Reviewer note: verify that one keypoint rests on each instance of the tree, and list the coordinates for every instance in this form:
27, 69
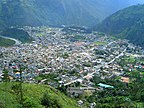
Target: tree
45, 100
5, 75
17, 88
50, 102
31, 103
2, 105
21, 81
63, 89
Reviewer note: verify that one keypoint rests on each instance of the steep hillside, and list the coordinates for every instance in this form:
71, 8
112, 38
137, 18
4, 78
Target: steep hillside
127, 23
32, 96
58, 12
6, 42
18, 34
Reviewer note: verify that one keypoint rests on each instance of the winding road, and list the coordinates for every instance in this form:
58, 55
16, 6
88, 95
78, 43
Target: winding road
17, 42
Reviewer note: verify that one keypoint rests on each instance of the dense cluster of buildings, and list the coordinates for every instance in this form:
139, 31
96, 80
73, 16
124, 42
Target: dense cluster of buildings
53, 52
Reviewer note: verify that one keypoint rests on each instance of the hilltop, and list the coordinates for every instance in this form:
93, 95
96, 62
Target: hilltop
32, 94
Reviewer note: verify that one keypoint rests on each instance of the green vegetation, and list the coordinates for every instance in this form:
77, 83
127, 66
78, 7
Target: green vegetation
100, 34
87, 64
100, 52
100, 43
40, 34
129, 59
122, 96
17, 34
50, 102
65, 55
6, 42
5, 76
127, 23
50, 77
56, 12
34, 96
114, 38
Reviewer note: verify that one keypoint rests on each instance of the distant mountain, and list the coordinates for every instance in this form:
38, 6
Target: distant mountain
127, 23
58, 12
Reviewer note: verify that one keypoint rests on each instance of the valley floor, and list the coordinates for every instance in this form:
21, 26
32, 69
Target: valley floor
95, 69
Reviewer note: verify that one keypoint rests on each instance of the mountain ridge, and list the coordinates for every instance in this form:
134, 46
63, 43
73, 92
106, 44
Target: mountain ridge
57, 12
127, 23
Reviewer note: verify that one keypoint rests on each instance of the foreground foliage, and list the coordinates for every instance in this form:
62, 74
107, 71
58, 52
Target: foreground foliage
34, 96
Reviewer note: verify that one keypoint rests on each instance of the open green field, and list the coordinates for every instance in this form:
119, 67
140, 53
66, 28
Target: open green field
100, 43
40, 34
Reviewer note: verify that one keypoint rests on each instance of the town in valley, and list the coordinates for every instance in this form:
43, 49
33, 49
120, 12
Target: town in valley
73, 60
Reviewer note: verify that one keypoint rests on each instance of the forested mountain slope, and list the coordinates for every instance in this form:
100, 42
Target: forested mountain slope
127, 23
58, 12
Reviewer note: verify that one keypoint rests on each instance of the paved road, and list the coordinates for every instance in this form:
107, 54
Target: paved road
17, 42
108, 44
71, 82
121, 54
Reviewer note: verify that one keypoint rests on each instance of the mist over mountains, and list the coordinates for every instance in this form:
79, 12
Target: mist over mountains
58, 12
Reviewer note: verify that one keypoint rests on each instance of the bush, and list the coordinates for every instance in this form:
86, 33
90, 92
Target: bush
50, 102
30, 103
2, 105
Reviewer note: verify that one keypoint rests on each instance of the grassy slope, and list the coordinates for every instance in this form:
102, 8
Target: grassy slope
6, 42
33, 93
17, 34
